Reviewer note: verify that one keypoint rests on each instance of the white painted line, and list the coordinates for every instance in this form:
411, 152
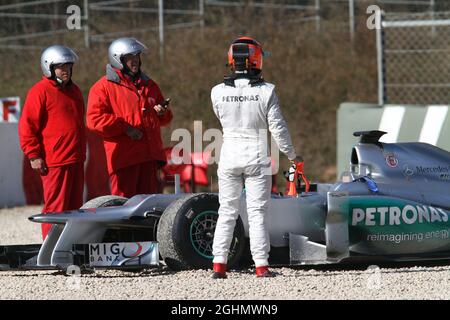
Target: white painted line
391, 121
432, 125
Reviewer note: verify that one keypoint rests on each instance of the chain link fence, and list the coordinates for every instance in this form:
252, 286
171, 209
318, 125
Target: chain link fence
415, 58
413, 49
33, 24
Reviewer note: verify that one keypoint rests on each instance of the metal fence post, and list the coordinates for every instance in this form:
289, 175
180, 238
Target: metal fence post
351, 12
161, 29
317, 8
86, 24
433, 29
201, 12
380, 57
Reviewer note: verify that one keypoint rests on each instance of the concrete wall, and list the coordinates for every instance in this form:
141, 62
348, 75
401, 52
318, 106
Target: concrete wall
19, 187
430, 124
11, 157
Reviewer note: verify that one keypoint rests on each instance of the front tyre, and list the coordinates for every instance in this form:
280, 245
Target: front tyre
186, 233
104, 201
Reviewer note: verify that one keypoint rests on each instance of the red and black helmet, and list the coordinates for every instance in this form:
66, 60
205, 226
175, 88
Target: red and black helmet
247, 51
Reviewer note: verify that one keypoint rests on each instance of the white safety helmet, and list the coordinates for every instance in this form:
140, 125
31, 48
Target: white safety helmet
121, 47
56, 54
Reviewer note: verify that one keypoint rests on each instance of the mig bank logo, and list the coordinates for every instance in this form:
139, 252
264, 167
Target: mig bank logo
123, 254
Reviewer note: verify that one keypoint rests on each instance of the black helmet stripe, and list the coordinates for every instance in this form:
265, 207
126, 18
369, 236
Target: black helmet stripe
247, 41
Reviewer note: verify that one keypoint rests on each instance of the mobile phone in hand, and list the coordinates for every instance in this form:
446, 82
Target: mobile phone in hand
165, 104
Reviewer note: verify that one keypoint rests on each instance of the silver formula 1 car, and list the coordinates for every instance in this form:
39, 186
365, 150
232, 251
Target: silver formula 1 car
393, 205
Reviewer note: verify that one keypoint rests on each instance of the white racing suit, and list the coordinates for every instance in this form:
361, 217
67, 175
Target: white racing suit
246, 112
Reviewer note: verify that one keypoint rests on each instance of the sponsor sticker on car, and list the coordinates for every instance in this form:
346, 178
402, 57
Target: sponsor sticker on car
391, 160
123, 254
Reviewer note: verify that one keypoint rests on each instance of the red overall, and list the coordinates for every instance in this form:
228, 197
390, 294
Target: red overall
115, 102
52, 127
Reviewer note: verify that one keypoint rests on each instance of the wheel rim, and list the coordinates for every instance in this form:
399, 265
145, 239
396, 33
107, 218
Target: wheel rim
202, 233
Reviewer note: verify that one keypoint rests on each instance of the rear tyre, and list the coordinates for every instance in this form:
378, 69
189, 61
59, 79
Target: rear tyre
186, 233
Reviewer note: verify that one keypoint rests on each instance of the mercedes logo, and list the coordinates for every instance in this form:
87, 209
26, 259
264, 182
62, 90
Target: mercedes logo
407, 170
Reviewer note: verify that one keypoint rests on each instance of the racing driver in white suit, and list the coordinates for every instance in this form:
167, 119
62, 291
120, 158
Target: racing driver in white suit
246, 107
